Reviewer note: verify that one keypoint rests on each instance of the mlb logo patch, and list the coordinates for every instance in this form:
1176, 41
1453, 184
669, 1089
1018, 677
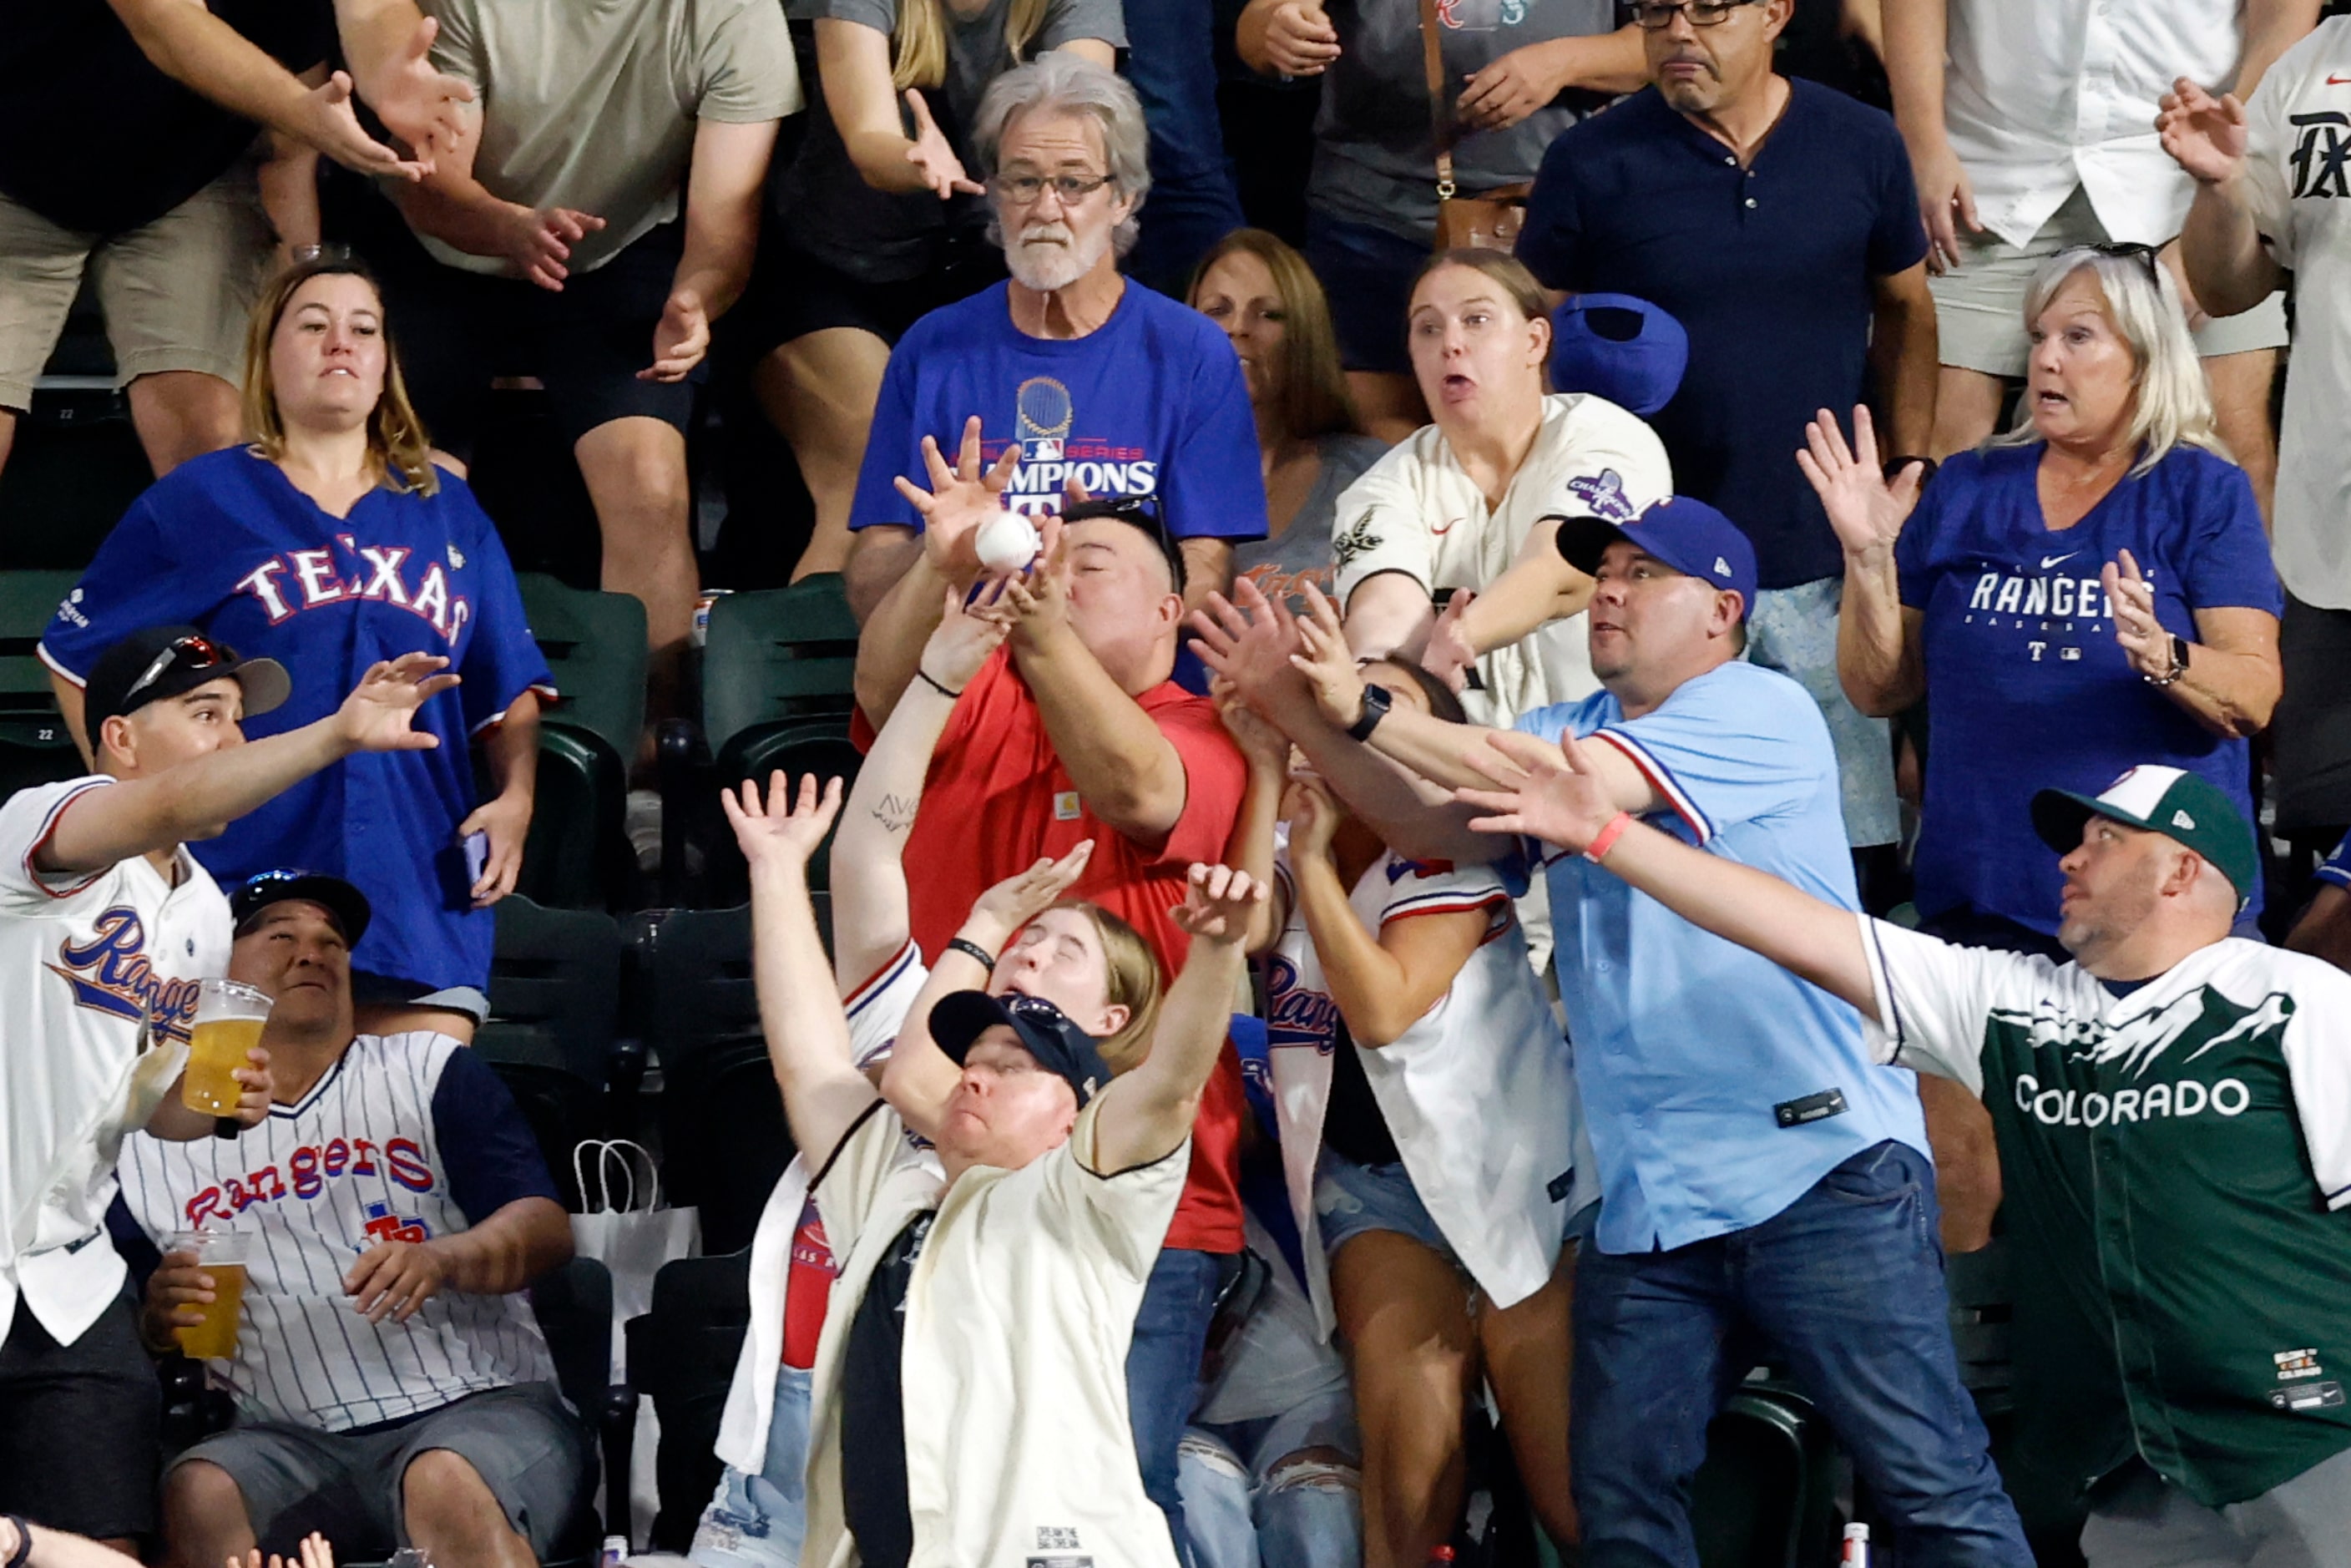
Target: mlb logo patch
1045, 449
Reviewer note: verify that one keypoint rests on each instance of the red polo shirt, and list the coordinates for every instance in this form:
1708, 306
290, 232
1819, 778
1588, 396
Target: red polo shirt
998, 798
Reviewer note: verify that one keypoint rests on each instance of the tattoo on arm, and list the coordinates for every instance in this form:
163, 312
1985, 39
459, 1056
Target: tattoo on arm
895, 812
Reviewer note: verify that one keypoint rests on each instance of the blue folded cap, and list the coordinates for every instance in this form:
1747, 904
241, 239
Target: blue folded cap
1616, 347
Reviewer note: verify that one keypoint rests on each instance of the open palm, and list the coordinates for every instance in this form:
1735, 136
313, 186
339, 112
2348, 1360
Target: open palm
2205, 135
1866, 512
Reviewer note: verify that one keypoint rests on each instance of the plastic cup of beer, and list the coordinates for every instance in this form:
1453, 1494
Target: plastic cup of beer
229, 1019
223, 1255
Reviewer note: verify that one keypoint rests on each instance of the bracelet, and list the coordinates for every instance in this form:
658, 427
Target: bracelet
24, 1539
973, 951
935, 686
1605, 839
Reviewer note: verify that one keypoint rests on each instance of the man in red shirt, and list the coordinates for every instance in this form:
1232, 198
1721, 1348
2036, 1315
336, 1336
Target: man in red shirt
1074, 731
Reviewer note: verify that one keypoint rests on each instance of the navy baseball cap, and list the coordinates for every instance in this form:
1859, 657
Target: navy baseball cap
339, 898
1064, 1050
1685, 534
166, 661
1614, 346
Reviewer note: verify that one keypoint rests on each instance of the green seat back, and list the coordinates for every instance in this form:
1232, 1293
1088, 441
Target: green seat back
595, 646
778, 653
28, 709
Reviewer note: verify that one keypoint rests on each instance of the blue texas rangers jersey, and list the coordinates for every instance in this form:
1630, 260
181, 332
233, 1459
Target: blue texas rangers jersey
226, 543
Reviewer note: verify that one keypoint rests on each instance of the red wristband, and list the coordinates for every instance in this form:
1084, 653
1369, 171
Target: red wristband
1605, 839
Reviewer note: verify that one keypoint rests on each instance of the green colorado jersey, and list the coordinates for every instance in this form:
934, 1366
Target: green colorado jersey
2172, 1162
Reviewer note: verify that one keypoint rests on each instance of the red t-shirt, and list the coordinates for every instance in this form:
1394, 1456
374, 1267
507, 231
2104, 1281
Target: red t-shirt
998, 798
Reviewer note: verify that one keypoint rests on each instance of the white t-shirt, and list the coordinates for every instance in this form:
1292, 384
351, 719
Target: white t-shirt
2043, 95
1479, 1094
2299, 176
1019, 1446
84, 958
1417, 512
357, 1160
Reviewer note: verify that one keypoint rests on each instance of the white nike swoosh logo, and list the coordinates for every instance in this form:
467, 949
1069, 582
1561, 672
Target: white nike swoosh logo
2048, 560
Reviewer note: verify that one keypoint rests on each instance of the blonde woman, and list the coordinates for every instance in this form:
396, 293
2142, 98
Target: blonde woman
330, 542
879, 220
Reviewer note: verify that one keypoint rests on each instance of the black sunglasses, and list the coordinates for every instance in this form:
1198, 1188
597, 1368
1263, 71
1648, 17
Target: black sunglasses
1136, 512
2132, 250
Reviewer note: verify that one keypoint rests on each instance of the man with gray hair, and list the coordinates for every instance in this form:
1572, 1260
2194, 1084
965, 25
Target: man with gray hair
1101, 388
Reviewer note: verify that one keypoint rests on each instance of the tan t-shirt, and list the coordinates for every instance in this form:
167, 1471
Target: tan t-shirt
591, 104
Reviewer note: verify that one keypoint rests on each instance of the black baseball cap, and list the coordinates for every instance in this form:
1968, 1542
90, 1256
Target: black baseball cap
167, 661
1064, 1050
1685, 534
339, 898
1142, 513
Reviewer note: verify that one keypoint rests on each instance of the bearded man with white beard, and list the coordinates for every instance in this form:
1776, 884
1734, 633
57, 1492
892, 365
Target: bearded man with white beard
1095, 387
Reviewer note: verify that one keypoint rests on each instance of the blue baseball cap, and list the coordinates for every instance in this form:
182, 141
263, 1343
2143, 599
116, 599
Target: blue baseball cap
1616, 347
1685, 534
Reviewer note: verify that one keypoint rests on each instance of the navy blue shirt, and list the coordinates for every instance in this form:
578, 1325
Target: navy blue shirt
2027, 687
1768, 269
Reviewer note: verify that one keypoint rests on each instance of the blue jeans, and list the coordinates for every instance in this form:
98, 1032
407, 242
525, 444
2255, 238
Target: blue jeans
1367, 272
757, 1521
1171, 62
1163, 1371
1251, 1502
1846, 1284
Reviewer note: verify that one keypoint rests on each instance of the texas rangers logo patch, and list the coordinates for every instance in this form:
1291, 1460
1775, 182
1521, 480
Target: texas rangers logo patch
382, 1225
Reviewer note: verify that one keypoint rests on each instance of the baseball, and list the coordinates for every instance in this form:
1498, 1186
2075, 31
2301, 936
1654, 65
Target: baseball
1006, 544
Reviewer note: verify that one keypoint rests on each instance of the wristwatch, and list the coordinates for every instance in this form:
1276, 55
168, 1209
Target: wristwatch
2179, 663
1377, 700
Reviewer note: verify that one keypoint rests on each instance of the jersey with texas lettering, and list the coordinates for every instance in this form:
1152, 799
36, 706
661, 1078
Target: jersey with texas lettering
2177, 1165
406, 1138
84, 961
1479, 1093
226, 543
1150, 404
2029, 688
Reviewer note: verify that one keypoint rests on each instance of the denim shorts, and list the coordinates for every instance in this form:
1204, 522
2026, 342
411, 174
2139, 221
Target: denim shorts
1349, 1199
759, 1522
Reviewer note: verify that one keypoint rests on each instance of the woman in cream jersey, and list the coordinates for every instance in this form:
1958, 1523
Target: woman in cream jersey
1456, 504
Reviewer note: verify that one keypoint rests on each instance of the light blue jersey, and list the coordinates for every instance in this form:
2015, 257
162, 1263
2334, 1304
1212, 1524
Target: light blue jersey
1686, 1044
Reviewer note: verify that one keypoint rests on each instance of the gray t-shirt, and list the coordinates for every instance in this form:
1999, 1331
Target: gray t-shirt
642, 74
1375, 155
828, 211
1300, 553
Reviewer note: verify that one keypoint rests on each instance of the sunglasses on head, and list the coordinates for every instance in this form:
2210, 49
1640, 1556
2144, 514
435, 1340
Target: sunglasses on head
203, 654
2132, 250
1138, 512
1036, 1010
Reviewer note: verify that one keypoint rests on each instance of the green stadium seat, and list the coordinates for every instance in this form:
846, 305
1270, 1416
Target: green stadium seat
577, 855
775, 658
35, 747
555, 1006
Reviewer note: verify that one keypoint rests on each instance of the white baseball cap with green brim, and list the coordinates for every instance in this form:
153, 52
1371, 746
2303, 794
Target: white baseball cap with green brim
2168, 800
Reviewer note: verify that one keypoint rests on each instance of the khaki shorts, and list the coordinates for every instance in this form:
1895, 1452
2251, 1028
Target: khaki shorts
176, 293
1979, 306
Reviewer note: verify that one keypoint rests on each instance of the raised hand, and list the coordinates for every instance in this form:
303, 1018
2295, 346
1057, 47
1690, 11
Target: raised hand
1450, 654
324, 120
681, 337
1248, 639
1038, 598
934, 159
1266, 747
538, 243
378, 714
959, 500
1866, 512
1219, 904
1300, 40
316, 1553
1308, 807
2144, 640
781, 831
966, 635
1327, 662
2205, 135
1019, 898
417, 103
1549, 792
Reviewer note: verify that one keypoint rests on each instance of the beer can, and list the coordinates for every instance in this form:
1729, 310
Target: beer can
616, 1550
701, 603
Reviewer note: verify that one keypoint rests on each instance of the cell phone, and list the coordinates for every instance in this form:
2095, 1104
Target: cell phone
477, 857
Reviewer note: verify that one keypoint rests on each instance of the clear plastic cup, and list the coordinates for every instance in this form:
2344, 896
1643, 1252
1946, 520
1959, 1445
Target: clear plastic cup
223, 1255
230, 1015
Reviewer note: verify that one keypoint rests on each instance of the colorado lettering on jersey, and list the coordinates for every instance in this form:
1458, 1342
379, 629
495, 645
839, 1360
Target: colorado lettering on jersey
110, 974
1295, 1016
295, 580
2096, 1108
312, 1168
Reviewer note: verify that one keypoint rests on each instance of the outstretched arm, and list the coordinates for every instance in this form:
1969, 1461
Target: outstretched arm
1539, 587
1148, 1111
1879, 659
808, 1034
1554, 793
1251, 849
921, 1078
870, 919
197, 799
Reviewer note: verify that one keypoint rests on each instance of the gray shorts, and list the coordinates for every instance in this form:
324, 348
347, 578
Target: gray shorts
1979, 305
1794, 631
2303, 1524
528, 1447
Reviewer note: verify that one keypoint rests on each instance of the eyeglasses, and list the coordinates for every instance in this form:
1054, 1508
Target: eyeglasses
1023, 190
1656, 15
202, 654
1136, 512
2132, 250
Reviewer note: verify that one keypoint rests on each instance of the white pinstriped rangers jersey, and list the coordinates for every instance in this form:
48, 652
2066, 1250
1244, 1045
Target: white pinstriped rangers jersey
407, 1138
